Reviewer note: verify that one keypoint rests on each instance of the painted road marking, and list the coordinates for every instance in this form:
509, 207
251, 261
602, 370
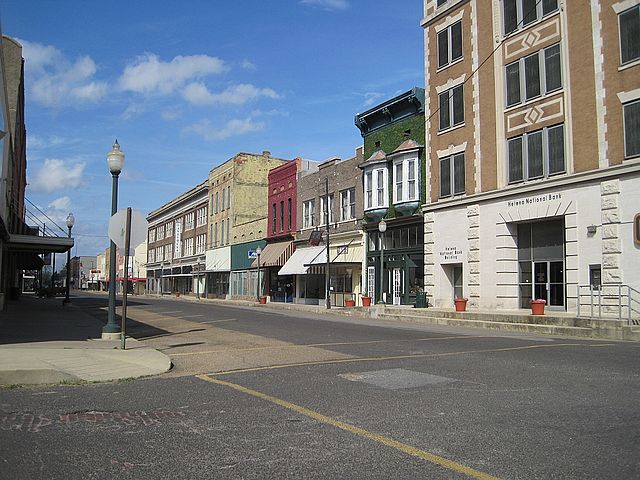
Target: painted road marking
190, 316
220, 321
405, 357
315, 345
389, 442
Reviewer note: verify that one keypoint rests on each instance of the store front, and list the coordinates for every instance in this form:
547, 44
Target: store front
279, 288
218, 266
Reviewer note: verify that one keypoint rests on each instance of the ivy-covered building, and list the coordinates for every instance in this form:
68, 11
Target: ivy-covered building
394, 180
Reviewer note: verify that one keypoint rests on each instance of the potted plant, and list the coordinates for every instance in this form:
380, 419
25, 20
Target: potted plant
537, 306
461, 304
350, 302
263, 299
366, 300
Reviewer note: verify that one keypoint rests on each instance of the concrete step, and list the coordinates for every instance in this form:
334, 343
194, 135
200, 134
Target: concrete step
523, 327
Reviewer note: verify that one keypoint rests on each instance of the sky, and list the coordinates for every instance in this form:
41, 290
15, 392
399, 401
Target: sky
184, 86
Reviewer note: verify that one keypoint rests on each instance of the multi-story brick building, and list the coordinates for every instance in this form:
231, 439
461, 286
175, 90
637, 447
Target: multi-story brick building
237, 222
533, 150
308, 264
176, 243
394, 179
281, 228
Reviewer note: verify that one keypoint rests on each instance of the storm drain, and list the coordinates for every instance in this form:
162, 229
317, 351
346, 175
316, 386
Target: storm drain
396, 378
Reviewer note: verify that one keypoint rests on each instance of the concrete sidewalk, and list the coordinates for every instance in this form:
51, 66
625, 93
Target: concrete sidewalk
43, 342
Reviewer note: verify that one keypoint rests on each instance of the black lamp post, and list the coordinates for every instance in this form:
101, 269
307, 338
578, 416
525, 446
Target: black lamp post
382, 227
70, 221
115, 161
258, 252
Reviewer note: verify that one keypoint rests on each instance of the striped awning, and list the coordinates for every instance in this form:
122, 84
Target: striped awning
274, 255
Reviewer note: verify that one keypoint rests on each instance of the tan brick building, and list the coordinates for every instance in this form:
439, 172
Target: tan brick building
533, 150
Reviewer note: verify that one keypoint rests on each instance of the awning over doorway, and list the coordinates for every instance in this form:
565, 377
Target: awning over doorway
299, 262
28, 261
274, 255
39, 244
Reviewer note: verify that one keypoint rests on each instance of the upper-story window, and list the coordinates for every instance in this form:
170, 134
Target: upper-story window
222, 232
159, 254
201, 218
308, 212
160, 232
274, 218
534, 75
405, 179
228, 229
152, 235
201, 241
632, 129
216, 204
188, 247
324, 209
289, 214
215, 234
224, 190
536, 154
281, 215
229, 197
188, 220
630, 34
169, 229
168, 252
441, 2
348, 204
520, 13
375, 186
450, 44
452, 175
151, 255
451, 107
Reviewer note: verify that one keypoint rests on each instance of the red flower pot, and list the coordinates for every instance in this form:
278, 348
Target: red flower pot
263, 300
537, 307
349, 303
461, 304
366, 301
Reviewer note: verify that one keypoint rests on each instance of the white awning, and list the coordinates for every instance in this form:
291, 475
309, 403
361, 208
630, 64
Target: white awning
299, 262
219, 259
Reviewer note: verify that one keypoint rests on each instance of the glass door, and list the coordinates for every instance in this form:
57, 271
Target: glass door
397, 285
548, 282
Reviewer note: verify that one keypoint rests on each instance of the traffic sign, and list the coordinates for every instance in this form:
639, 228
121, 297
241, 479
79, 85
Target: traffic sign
117, 226
252, 254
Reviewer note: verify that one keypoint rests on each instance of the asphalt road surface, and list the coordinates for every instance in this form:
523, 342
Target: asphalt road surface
262, 394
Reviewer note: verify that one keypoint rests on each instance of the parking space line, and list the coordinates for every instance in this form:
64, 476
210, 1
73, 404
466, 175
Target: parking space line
389, 442
408, 357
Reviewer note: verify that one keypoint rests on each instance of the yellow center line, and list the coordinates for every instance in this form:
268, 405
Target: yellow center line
333, 344
389, 442
405, 357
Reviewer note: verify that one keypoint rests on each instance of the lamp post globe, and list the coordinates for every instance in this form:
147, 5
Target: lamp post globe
70, 221
382, 227
115, 162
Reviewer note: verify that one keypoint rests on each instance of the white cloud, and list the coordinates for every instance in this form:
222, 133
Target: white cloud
199, 94
170, 115
133, 110
56, 175
62, 203
247, 65
232, 128
370, 98
53, 80
148, 74
327, 4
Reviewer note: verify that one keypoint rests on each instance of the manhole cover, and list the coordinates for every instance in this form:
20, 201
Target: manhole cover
396, 378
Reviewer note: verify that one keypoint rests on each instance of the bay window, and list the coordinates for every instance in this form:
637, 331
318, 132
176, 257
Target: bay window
405, 171
375, 186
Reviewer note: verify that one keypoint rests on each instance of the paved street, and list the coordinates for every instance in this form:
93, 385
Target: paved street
262, 394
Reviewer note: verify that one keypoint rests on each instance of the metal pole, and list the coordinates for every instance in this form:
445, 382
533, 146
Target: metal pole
381, 299
326, 216
258, 282
112, 326
127, 241
198, 281
66, 296
53, 275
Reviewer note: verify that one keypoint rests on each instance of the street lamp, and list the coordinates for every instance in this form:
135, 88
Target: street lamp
115, 161
70, 221
382, 227
258, 252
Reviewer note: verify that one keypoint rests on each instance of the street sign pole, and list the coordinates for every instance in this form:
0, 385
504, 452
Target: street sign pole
127, 241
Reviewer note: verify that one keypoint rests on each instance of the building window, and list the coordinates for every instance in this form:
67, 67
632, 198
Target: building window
375, 185
169, 229
228, 197
222, 232
520, 13
188, 220
168, 251
201, 217
159, 252
201, 241
630, 34
223, 199
228, 229
452, 175
152, 235
308, 211
324, 210
281, 215
451, 108
450, 44
405, 172
160, 232
536, 154
348, 204
151, 256
187, 247
289, 214
632, 129
216, 203
273, 218
215, 234
535, 74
